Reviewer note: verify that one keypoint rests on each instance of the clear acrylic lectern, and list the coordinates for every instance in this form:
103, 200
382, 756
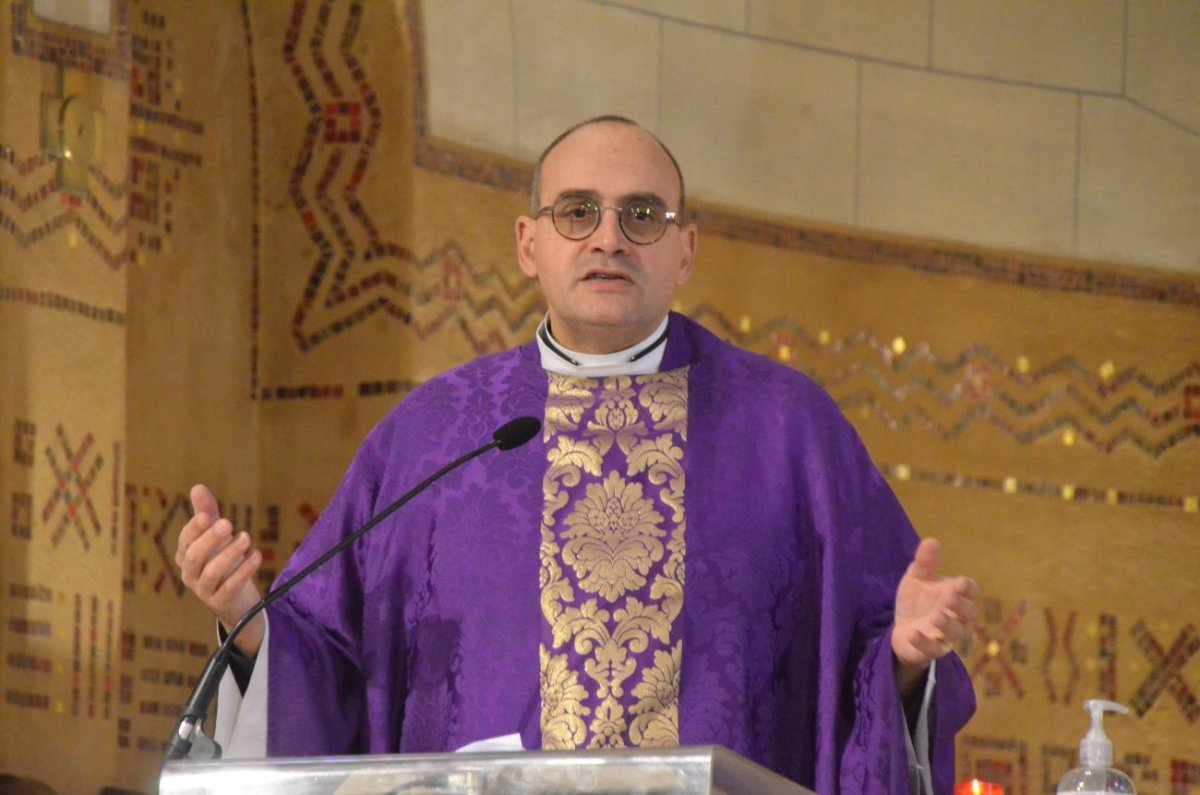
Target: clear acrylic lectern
700, 770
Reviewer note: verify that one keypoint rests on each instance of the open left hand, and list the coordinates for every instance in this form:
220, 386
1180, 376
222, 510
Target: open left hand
932, 612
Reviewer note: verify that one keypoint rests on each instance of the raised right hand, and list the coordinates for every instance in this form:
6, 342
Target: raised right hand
219, 568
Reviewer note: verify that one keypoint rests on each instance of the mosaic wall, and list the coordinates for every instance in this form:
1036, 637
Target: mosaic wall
272, 250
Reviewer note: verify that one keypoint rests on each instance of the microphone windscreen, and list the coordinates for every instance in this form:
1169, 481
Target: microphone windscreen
515, 433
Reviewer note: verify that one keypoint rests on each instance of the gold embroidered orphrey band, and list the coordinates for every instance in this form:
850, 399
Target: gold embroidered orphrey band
612, 560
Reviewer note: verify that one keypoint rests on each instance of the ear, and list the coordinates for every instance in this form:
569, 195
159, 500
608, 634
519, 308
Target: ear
687, 241
525, 228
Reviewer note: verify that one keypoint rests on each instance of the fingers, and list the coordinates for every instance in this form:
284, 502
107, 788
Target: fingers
959, 593
203, 501
915, 648
933, 613
205, 513
934, 641
940, 630
926, 558
223, 579
236, 593
956, 611
964, 592
947, 626
200, 539
929, 647
967, 588
221, 565
217, 566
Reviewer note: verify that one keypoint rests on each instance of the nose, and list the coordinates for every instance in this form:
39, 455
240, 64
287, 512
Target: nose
609, 237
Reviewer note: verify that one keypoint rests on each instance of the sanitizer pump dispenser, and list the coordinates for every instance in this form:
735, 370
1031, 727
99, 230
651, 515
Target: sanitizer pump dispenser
1095, 773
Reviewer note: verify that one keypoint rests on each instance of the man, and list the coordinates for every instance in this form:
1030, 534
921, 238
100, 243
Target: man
543, 591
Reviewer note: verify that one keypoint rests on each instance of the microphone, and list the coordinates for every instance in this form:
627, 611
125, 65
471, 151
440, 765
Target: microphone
189, 731
515, 433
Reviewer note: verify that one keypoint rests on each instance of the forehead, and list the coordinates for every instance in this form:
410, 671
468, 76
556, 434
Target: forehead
611, 160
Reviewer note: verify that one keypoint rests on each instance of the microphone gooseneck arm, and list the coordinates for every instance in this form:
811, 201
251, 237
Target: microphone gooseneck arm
188, 730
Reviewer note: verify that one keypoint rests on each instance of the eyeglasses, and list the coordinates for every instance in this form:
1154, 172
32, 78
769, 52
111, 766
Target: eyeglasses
577, 217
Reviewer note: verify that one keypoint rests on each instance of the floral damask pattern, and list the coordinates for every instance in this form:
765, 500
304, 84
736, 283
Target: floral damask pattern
656, 724
612, 560
613, 538
562, 707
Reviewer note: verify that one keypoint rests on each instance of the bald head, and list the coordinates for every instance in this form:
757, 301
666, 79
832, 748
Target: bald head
535, 198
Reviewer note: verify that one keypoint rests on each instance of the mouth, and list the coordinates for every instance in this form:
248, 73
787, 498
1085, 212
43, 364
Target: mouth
606, 276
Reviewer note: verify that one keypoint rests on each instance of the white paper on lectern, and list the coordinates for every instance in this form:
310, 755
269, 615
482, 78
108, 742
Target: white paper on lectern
506, 742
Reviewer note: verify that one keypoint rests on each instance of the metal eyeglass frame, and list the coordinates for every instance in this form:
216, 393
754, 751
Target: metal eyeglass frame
669, 216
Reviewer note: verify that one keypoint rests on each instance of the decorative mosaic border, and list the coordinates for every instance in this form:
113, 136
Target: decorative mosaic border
1066, 492
255, 198
391, 388
49, 300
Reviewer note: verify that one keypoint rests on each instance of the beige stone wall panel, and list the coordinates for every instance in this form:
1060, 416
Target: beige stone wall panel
728, 14
1075, 44
1164, 59
888, 30
474, 97
1138, 188
576, 59
760, 125
967, 160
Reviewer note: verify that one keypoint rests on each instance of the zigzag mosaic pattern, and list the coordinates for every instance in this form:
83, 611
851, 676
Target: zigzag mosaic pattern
33, 209
918, 388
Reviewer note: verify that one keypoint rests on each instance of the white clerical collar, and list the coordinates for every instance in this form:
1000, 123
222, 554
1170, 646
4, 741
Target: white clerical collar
640, 359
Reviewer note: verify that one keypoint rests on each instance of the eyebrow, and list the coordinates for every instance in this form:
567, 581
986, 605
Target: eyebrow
645, 196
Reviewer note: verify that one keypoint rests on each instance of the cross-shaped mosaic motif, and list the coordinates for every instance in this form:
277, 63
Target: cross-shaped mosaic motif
1166, 670
993, 651
72, 497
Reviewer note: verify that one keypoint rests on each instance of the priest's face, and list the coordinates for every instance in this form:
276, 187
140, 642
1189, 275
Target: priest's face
605, 292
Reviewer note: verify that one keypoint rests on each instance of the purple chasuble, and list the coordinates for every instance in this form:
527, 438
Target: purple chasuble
436, 629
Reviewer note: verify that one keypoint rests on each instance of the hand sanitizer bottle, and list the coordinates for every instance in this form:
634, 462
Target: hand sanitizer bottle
1095, 773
